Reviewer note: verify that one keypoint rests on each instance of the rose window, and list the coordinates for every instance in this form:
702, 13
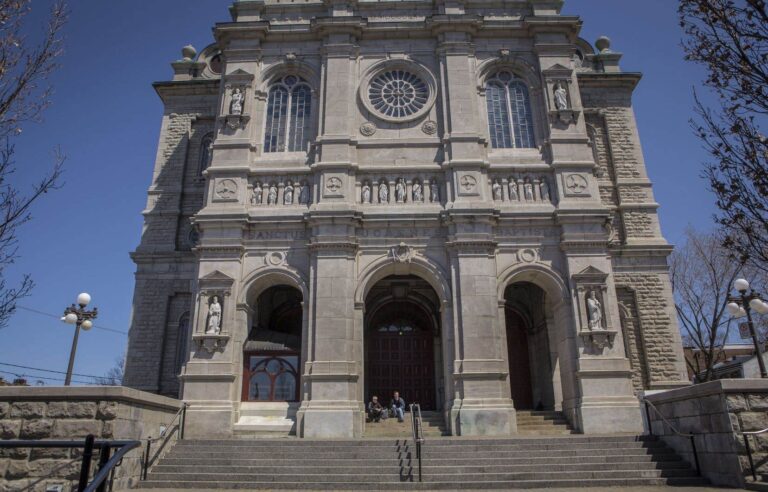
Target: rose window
398, 94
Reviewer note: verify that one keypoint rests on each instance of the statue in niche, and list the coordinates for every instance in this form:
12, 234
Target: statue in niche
383, 192
418, 195
561, 97
513, 196
257, 194
366, 194
545, 190
434, 192
400, 191
214, 317
304, 193
288, 194
497, 190
528, 190
594, 311
236, 106
272, 196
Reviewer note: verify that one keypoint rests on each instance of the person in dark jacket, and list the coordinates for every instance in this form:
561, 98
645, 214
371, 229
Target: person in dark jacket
375, 411
397, 406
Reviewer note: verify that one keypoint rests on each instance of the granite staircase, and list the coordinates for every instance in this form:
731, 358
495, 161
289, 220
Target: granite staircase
532, 423
448, 463
433, 424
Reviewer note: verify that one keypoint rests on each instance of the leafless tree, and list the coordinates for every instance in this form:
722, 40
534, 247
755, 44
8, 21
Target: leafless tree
702, 277
25, 66
729, 38
114, 376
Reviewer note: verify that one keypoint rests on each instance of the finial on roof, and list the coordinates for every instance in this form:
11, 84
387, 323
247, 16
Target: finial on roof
188, 52
603, 44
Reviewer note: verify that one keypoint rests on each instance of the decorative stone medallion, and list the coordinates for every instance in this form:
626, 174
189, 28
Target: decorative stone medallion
334, 187
275, 258
429, 127
368, 128
528, 255
402, 253
576, 184
467, 185
226, 190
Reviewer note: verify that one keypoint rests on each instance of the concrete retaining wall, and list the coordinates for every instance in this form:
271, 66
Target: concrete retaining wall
717, 412
42, 413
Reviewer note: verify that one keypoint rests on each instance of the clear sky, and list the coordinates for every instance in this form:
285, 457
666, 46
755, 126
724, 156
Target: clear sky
106, 117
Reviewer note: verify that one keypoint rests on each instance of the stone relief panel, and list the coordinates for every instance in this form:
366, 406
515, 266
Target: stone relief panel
468, 185
398, 190
333, 186
225, 190
522, 188
576, 184
272, 191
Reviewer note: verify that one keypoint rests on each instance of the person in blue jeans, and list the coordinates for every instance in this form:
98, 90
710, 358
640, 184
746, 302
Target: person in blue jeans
397, 406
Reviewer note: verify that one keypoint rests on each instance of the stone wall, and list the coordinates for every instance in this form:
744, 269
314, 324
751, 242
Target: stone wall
39, 413
717, 412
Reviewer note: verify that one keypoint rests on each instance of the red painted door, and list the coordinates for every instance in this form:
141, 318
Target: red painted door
401, 361
519, 363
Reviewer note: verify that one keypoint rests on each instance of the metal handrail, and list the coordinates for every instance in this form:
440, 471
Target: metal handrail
746, 435
690, 436
164, 436
106, 468
417, 426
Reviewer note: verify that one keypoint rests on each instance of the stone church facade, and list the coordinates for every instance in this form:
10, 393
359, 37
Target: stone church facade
443, 198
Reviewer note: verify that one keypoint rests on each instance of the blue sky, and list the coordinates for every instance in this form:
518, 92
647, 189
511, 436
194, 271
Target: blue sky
106, 117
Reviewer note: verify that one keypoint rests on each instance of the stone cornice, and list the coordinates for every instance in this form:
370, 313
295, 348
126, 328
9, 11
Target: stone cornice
623, 80
196, 87
225, 31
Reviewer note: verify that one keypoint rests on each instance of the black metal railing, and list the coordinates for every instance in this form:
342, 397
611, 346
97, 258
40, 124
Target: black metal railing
417, 426
650, 406
106, 464
746, 435
165, 436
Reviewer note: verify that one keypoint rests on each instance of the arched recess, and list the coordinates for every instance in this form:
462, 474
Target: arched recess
417, 269
272, 309
561, 392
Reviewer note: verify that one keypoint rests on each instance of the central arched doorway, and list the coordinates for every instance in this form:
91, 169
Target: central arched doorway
402, 341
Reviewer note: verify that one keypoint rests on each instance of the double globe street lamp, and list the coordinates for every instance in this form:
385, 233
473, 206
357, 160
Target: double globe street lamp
77, 315
743, 305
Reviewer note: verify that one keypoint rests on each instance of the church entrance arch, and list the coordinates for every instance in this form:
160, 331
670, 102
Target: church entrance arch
272, 353
402, 341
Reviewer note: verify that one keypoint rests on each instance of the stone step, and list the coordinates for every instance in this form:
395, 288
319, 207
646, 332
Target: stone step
453, 441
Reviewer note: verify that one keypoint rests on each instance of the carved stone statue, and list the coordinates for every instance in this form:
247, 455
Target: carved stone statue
434, 192
594, 311
418, 195
214, 317
545, 191
497, 190
257, 194
383, 192
366, 195
304, 193
272, 196
561, 97
528, 190
236, 106
400, 191
513, 195
288, 194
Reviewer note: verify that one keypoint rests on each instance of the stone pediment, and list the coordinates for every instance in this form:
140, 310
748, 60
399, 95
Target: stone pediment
557, 70
590, 275
216, 275
216, 282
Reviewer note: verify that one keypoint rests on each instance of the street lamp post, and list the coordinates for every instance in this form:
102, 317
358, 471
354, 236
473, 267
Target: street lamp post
78, 316
742, 305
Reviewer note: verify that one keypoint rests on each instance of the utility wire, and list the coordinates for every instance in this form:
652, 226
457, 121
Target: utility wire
59, 317
47, 370
30, 376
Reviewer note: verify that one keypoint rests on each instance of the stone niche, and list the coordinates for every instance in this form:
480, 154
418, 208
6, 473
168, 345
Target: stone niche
596, 328
70, 414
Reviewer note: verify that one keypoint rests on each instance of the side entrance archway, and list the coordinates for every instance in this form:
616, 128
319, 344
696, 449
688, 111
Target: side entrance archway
402, 341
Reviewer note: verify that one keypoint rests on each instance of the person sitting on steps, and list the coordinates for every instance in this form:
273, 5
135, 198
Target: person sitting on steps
398, 406
375, 411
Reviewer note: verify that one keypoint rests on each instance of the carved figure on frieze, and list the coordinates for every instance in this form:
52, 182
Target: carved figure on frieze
594, 311
365, 196
513, 194
272, 196
545, 196
257, 194
434, 192
418, 194
383, 192
214, 317
528, 190
400, 191
236, 105
561, 97
497, 195
304, 193
288, 194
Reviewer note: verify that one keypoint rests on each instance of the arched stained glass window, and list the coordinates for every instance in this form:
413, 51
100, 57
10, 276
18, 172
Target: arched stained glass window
289, 108
510, 120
